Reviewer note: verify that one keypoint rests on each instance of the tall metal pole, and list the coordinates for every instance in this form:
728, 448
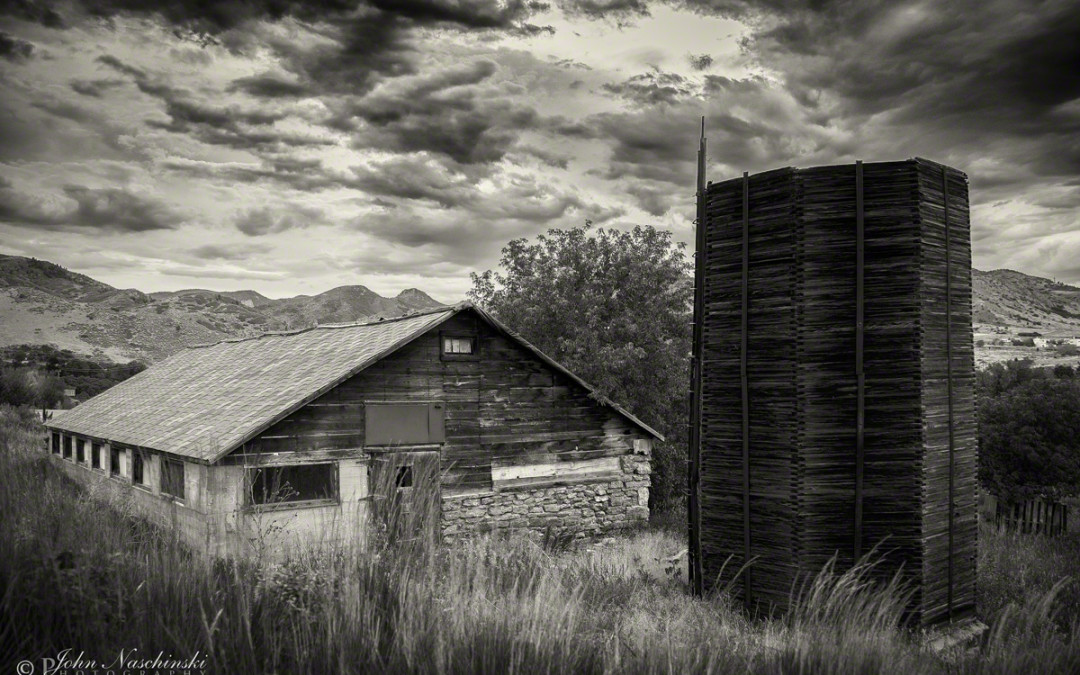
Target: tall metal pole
694, 506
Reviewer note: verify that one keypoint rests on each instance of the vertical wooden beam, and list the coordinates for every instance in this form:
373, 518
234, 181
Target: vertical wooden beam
744, 379
697, 584
860, 380
949, 373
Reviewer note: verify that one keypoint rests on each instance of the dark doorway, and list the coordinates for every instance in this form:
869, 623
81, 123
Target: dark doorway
406, 501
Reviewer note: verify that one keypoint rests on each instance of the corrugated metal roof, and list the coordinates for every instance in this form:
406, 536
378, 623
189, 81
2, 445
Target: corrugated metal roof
206, 401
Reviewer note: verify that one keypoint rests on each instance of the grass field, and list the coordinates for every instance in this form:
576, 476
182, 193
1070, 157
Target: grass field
83, 574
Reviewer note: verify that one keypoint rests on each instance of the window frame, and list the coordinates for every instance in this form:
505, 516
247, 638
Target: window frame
142, 460
68, 445
116, 467
167, 465
95, 455
80, 451
57, 443
459, 335
251, 474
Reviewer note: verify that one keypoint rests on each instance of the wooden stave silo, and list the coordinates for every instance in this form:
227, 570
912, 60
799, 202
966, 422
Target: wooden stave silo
802, 306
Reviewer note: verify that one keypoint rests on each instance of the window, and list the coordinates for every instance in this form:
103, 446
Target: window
404, 477
172, 478
458, 345
115, 455
80, 451
461, 347
67, 447
404, 423
95, 455
138, 467
56, 443
292, 484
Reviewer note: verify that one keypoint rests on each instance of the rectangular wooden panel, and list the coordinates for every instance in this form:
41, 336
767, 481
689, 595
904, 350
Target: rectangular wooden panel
505, 476
404, 423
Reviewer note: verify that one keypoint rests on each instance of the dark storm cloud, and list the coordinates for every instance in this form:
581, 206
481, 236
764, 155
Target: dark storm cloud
446, 113
465, 235
751, 125
230, 126
617, 10
33, 11
261, 221
109, 209
296, 173
652, 88
14, 49
95, 88
371, 39
958, 79
268, 86
413, 177
700, 61
231, 252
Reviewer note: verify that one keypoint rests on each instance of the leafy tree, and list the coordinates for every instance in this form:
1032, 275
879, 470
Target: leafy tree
16, 387
1028, 439
997, 378
49, 391
615, 308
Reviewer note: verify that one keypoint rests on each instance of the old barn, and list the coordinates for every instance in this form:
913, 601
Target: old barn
288, 433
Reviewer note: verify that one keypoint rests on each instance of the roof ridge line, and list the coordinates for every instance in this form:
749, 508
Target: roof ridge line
434, 310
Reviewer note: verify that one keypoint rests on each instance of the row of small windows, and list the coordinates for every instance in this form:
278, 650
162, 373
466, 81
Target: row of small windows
172, 471
307, 483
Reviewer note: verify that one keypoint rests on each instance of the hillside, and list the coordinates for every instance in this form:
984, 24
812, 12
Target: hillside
43, 303
1019, 316
1010, 298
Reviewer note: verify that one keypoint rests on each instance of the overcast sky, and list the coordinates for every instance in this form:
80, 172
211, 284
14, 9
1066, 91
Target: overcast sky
290, 146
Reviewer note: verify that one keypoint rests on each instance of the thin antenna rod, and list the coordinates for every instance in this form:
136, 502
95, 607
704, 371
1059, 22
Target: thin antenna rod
696, 580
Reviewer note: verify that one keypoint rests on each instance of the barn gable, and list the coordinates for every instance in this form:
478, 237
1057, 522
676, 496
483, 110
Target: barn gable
205, 402
506, 407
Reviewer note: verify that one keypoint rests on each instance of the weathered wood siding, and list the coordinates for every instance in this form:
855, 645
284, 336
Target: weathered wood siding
505, 407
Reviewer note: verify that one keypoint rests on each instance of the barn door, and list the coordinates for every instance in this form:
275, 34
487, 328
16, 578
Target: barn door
407, 503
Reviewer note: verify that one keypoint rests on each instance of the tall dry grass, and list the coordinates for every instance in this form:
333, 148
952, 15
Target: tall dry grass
81, 571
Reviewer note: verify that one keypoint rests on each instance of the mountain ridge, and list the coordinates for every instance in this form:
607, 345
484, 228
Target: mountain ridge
45, 303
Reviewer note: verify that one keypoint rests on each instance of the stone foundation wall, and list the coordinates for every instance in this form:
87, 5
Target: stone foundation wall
585, 509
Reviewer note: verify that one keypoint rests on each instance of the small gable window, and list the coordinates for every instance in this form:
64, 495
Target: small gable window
457, 346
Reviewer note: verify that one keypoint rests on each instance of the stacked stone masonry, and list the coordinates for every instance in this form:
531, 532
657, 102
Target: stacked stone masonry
584, 509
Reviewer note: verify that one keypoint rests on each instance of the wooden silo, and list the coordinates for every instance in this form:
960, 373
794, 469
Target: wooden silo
835, 408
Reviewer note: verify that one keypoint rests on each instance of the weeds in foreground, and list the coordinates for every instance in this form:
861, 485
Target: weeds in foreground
79, 570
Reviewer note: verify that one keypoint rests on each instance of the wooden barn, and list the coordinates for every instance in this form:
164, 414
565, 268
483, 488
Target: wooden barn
287, 433
834, 405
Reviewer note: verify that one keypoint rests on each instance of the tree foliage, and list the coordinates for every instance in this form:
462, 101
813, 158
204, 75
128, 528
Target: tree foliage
23, 386
1029, 421
615, 308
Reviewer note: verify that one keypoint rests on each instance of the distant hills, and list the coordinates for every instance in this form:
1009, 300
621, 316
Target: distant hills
44, 303
1010, 298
